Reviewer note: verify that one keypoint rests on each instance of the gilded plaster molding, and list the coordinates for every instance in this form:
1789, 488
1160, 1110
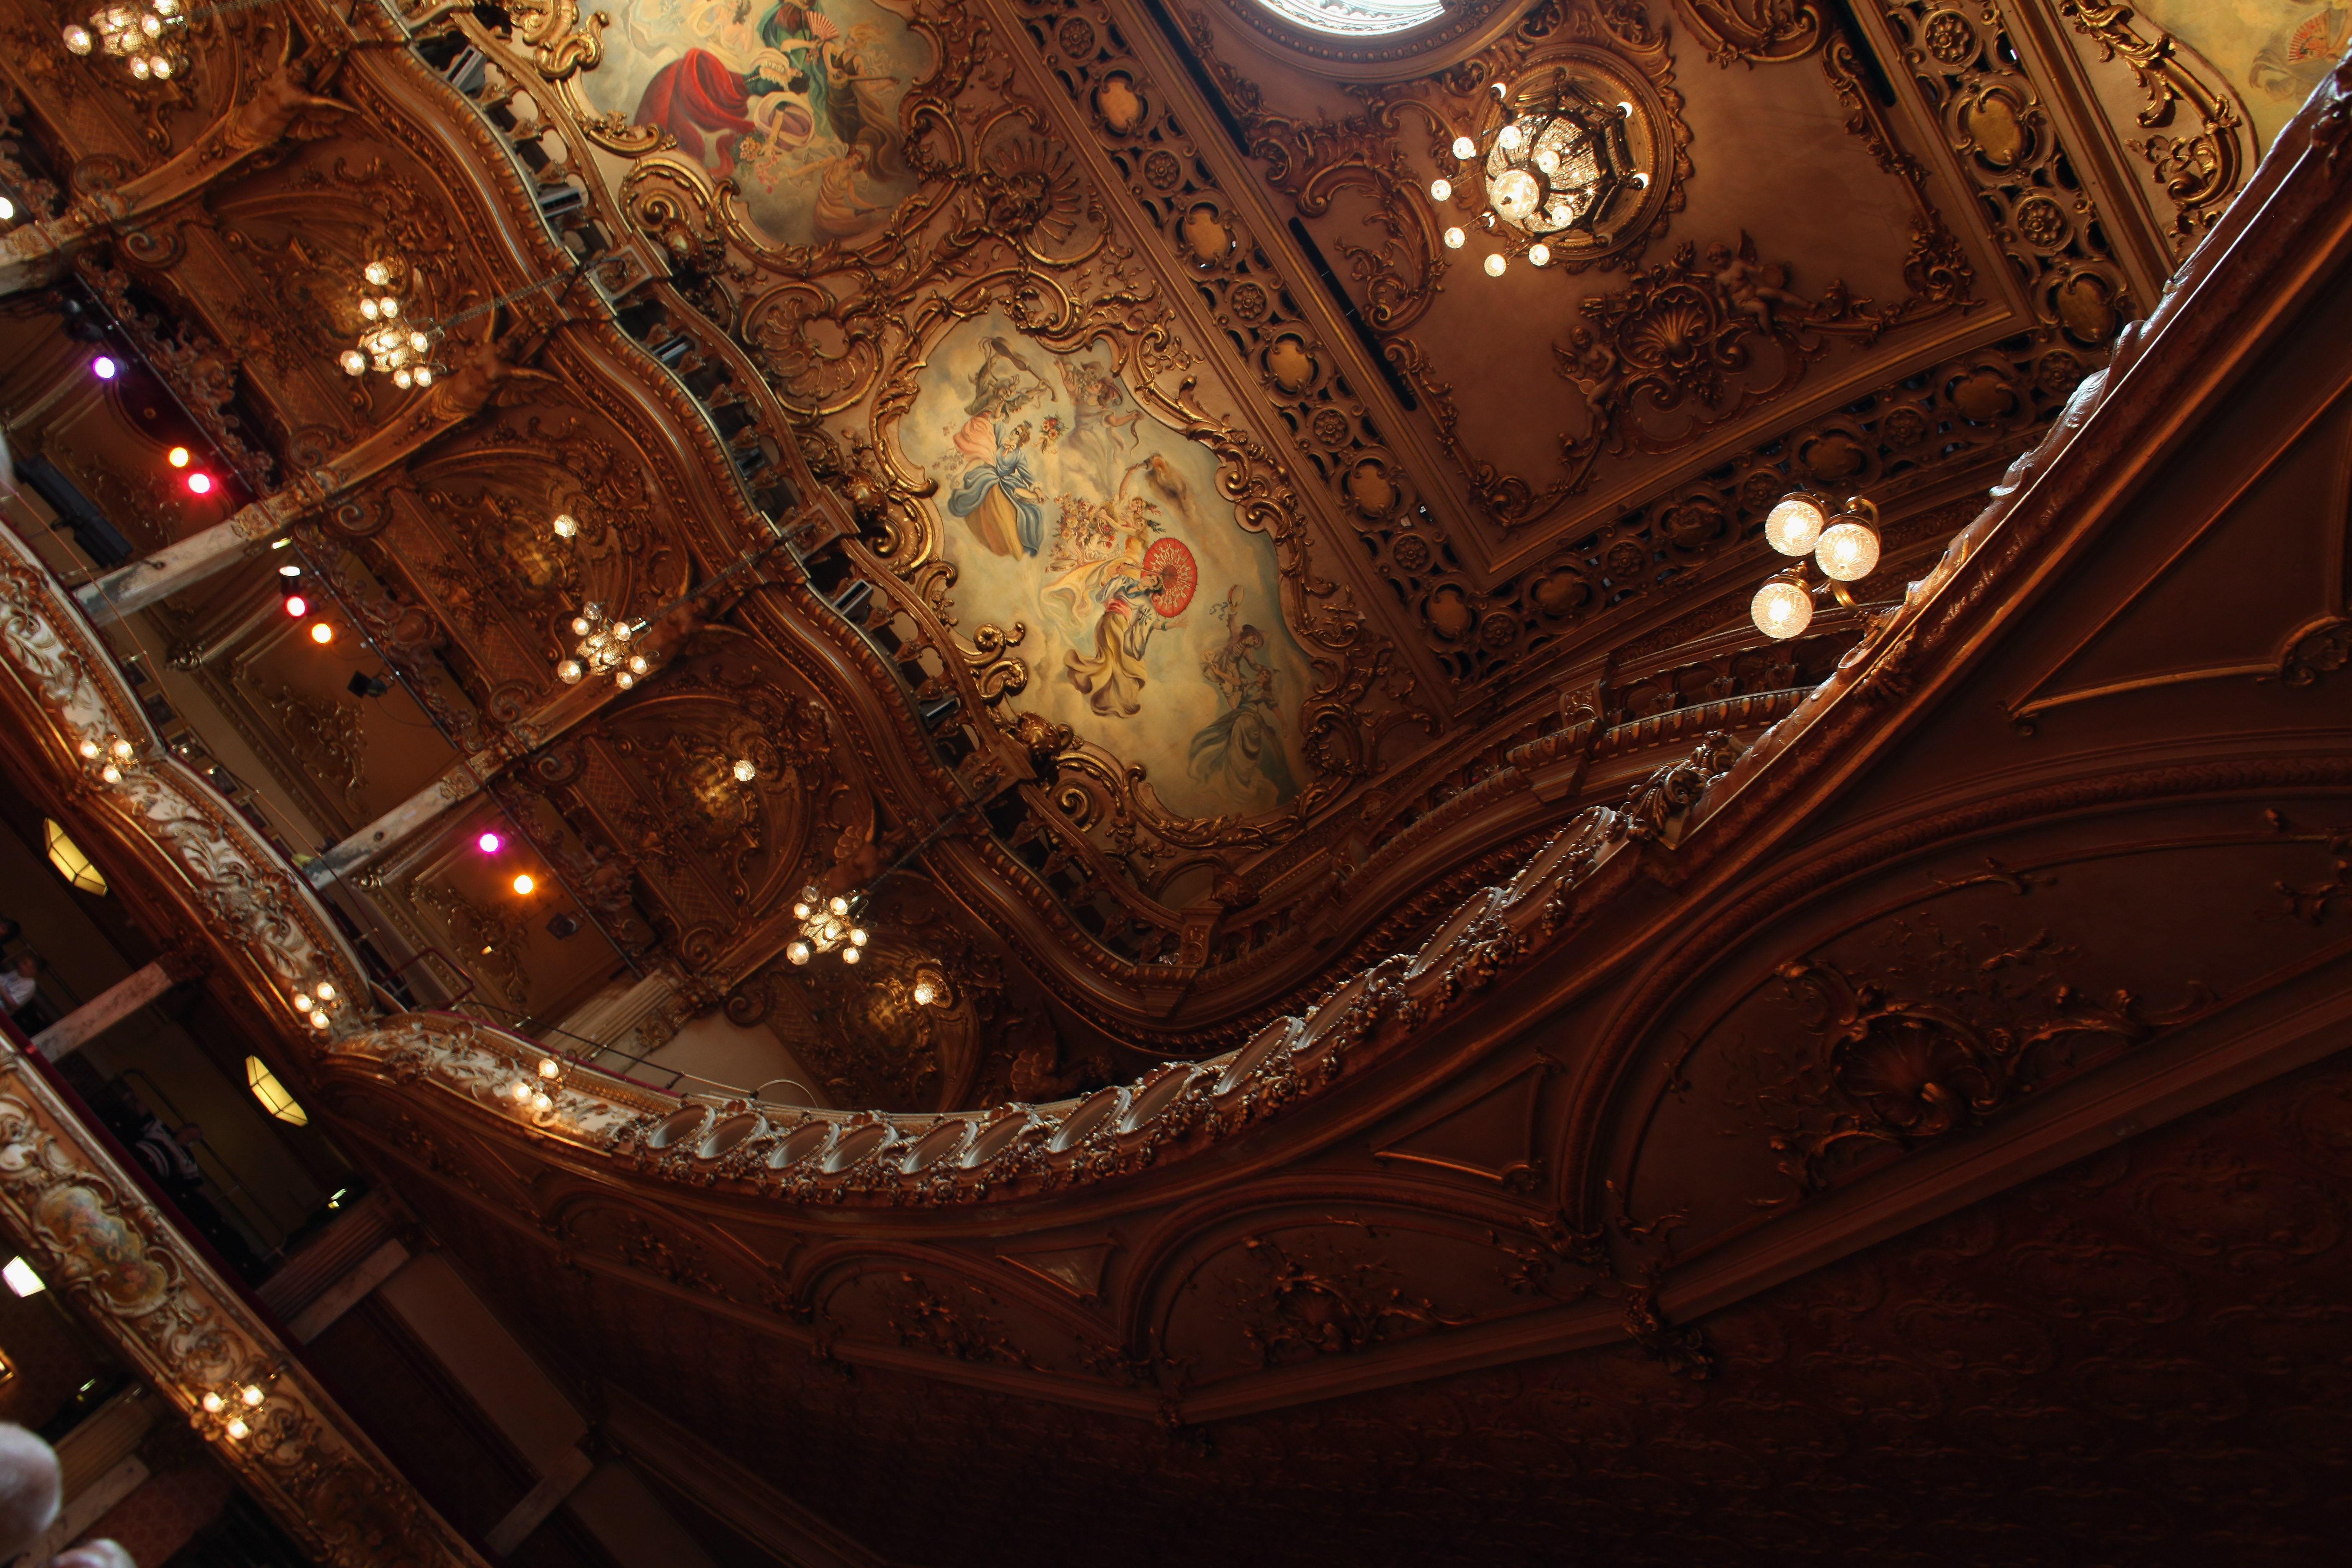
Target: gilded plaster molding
81, 1220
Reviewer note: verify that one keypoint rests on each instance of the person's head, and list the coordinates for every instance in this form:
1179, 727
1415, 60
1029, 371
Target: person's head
30, 1488
187, 1135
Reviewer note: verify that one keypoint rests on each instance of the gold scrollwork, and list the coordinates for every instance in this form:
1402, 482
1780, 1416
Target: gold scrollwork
2201, 172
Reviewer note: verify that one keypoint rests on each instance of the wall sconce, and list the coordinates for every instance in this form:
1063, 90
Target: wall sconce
1844, 545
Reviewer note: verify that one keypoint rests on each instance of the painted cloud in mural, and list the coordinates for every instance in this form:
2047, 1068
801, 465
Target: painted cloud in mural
798, 102
1155, 618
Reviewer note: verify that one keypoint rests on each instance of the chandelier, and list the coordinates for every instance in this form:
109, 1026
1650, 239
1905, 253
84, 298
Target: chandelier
145, 37
386, 345
1548, 165
828, 925
607, 647
1842, 545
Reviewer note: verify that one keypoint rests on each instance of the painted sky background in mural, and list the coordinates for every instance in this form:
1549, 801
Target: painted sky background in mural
1155, 618
799, 103
2273, 51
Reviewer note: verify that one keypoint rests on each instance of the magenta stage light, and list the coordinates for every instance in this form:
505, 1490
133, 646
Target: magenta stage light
489, 843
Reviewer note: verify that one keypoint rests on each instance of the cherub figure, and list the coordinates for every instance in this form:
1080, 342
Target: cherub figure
1749, 288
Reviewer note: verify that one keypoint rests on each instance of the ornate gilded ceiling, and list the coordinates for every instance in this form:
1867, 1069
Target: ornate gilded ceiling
1208, 531
1583, 988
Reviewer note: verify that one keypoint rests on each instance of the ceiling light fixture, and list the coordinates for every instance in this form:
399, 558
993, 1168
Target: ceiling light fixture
144, 36
836, 924
388, 346
1843, 544
1546, 162
605, 649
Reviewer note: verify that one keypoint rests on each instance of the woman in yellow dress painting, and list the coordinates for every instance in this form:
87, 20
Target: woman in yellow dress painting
1120, 590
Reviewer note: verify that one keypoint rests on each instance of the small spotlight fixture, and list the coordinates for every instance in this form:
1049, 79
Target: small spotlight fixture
362, 684
524, 882
200, 484
178, 456
289, 570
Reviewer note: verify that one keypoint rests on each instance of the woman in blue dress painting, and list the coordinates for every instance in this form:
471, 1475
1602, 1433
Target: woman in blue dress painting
997, 497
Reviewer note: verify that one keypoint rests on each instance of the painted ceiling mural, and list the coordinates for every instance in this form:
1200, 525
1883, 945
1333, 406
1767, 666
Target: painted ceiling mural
1157, 618
798, 105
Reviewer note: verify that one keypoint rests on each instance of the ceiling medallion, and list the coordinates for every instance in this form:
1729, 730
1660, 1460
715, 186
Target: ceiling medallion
1375, 40
1564, 164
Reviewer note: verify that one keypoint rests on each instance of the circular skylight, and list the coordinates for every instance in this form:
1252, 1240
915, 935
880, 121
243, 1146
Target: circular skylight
1356, 18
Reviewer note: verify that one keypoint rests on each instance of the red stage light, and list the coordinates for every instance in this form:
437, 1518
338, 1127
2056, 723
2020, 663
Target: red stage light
297, 606
200, 484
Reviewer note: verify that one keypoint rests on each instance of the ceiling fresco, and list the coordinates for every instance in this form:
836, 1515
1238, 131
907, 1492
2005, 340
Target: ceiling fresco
1157, 620
799, 106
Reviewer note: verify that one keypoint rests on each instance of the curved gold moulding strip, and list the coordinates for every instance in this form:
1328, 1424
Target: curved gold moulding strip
80, 1218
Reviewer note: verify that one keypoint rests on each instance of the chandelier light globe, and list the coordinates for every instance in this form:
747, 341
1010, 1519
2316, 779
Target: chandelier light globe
1794, 523
570, 671
624, 680
1515, 194
1495, 265
370, 308
798, 952
566, 525
1464, 148
851, 955
550, 1068
638, 664
744, 771
839, 906
1440, 190
353, 362
1782, 609
403, 379
925, 993
1539, 255
77, 39
581, 624
1509, 138
1847, 550
378, 273
423, 375
1454, 238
